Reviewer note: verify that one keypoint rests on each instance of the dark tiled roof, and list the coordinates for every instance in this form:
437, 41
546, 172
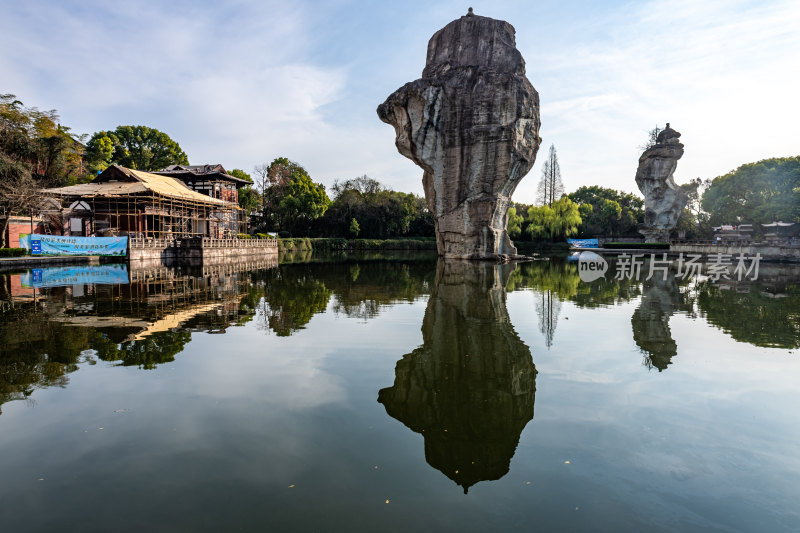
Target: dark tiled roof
204, 171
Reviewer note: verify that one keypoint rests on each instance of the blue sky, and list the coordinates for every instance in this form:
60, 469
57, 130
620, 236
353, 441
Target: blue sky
240, 82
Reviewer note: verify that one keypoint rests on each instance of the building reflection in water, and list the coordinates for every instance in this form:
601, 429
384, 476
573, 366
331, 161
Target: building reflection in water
469, 389
52, 320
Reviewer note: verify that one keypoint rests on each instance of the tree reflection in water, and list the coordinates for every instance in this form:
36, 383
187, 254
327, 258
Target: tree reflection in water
35, 352
766, 313
469, 389
294, 293
149, 322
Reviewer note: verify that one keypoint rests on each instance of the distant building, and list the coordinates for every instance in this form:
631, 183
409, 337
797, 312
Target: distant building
743, 233
210, 180
780, 231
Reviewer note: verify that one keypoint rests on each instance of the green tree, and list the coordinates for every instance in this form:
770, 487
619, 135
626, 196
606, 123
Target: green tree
35, 152
137, 147
354, 228
100, 152
755, 193
556, 222
514, 227
35, 141
292, 201
607, 212
249, 199
241, 174
381, 212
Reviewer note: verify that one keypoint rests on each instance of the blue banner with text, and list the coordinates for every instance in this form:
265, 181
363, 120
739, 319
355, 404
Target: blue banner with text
113, 274
65, 245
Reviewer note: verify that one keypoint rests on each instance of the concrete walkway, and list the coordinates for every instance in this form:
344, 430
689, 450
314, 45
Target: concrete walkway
8, 263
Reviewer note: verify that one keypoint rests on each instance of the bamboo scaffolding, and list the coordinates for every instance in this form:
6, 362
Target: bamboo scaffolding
172, 218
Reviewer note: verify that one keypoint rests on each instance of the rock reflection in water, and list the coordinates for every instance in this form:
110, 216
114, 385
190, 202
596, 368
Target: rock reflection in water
469, 389
660, 299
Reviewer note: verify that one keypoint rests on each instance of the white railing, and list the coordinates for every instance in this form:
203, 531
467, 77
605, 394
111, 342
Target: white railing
151, 242
207, 242
200, 242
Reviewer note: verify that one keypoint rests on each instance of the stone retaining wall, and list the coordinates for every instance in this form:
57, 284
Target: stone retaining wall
769, 252
199, 251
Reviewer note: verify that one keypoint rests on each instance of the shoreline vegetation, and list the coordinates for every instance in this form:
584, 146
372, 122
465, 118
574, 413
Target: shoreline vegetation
323, 244
13, 252
423, 244
38, 152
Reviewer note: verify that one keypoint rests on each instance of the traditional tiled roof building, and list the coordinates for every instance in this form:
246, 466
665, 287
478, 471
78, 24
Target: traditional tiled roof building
210, 180
123, 201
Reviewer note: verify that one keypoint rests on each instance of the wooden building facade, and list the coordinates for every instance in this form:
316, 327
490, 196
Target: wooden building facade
123, 201
209, 180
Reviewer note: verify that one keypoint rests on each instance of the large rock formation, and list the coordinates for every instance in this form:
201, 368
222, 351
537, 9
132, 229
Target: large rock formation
663, 199
469, 389
472, 123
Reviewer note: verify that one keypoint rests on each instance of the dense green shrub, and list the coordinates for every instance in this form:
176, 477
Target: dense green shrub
12, 252
329, 244
339, 244
393, 244
292, 245
243, 236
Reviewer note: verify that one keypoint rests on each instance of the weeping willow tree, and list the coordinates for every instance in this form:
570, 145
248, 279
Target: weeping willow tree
554, 222
514, 226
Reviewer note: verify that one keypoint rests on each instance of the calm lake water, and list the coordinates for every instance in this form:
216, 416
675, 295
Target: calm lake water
397, 394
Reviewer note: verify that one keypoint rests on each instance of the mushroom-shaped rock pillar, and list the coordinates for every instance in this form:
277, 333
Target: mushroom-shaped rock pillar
664, 200
472, 123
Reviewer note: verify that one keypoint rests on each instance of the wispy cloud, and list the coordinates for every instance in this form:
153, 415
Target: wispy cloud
720, 72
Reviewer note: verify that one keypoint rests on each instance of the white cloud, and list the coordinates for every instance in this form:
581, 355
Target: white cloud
241, 83
722, 73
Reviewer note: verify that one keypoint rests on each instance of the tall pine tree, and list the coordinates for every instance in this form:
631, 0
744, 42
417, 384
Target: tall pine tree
551, 188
